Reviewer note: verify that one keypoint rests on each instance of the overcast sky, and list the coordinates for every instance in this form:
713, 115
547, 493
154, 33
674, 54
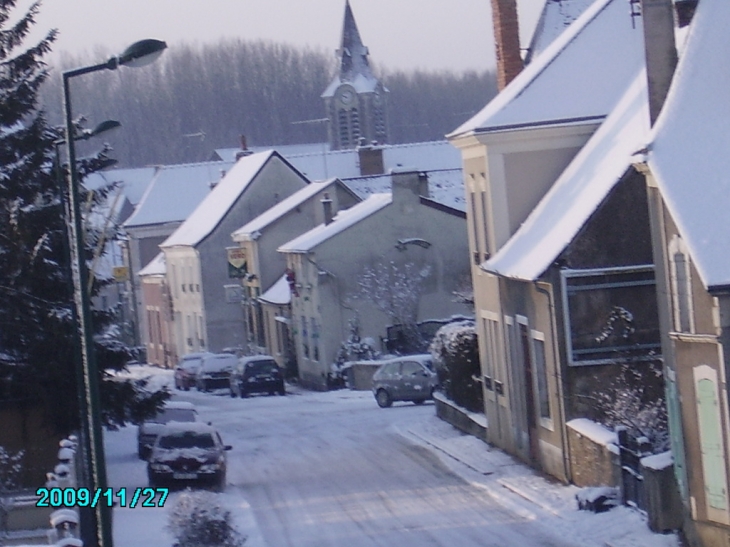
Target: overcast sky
401, 34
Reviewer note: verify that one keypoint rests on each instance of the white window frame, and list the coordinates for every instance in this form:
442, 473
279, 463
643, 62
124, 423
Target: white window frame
681, 302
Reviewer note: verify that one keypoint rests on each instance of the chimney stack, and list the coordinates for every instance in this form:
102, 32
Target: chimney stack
327, 208
660, 50
244, 151
507, 41
371, 159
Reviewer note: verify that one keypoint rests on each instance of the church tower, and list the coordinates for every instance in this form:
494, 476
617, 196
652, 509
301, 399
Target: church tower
355, 101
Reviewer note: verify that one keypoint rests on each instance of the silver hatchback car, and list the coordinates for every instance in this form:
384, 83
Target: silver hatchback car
409, 378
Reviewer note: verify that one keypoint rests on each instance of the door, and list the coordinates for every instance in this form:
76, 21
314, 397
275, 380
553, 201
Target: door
414, 381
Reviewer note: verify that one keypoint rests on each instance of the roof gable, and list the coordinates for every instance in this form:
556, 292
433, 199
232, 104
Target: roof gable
283, 207
579, 191
689, 153
579, 77
214, 207
343, 220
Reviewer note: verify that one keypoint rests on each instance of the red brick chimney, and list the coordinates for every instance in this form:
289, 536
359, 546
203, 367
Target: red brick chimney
507, 41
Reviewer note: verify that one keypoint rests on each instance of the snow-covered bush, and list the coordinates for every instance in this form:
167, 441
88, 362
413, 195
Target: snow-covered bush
199, 520
355, 348
456, 356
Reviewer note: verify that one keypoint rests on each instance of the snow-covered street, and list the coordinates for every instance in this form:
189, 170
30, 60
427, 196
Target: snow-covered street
332, 469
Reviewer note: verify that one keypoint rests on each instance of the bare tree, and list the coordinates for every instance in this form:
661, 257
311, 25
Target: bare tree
396, 290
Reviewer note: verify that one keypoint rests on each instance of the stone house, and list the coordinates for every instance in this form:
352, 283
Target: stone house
514, 151
686, 167
405, 231
262, 267
208, 313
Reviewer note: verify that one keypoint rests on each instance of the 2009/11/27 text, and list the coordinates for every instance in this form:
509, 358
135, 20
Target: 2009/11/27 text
83, 497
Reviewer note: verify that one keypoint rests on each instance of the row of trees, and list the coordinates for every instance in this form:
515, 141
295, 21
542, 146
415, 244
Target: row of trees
199, 98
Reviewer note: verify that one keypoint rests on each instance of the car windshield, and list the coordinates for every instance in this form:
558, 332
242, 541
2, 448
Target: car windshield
219, 363
190, 364
175, 415
187, 439
261, 367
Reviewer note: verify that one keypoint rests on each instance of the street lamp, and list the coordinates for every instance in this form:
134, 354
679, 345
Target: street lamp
138, 54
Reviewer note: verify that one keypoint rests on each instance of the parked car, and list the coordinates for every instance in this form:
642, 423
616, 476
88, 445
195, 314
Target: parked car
188, 452
174, 411
187, 369
215, 370
409, 378
256, 374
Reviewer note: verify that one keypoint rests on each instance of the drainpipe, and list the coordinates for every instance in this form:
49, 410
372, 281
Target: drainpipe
561, 388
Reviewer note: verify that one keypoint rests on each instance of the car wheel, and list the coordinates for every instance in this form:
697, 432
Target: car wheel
419, 401
233, 393
186, 387
383, 399
242, 392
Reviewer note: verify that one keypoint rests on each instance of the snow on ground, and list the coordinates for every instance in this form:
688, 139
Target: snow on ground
514, 487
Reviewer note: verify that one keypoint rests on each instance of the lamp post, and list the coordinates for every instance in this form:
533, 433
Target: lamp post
138, 54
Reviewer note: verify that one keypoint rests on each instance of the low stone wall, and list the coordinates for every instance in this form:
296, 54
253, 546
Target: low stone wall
460, 418
593, 454
359, 376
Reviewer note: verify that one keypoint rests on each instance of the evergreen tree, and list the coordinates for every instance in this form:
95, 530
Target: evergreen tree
37, 330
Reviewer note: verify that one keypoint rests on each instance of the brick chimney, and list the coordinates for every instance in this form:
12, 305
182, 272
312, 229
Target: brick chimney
244, 151
371, 159
507, 41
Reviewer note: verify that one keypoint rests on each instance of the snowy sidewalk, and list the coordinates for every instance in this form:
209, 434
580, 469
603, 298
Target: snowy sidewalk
529, 494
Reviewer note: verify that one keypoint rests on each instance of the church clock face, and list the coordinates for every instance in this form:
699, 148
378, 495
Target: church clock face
347, 97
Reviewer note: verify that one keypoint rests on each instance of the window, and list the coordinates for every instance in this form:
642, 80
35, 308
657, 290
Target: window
475, 227
483, 195
411, 368
681, 285
315, 340
610, 314
305, 338
541, 378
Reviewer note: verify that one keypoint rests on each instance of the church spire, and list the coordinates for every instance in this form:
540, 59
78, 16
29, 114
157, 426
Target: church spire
353, 54
355, 100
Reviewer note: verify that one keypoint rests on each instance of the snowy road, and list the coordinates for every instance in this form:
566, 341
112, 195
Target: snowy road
330, 469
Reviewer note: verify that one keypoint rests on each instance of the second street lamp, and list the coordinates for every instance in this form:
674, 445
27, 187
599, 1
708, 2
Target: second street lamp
138, 54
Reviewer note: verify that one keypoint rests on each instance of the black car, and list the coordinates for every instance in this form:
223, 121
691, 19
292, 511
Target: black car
256, 374
214, 372
188, 452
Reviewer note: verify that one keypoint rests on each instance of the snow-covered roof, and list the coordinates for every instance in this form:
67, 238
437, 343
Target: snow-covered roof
579, 77
175, 192
318, 162
556, 16
279, 293
445, 186
280, 209
689, 153
342, 221
133, 181
578, 192
216, 204
286, 150
157, 266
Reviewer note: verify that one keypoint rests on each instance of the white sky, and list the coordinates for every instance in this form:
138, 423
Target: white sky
401, 34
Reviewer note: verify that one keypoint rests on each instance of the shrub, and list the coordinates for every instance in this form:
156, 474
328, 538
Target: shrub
198, 520
456, 355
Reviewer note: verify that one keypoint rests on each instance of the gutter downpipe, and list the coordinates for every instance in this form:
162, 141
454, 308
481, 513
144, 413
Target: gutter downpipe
561, 389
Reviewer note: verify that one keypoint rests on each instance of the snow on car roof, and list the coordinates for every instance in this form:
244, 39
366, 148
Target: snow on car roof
182, 427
